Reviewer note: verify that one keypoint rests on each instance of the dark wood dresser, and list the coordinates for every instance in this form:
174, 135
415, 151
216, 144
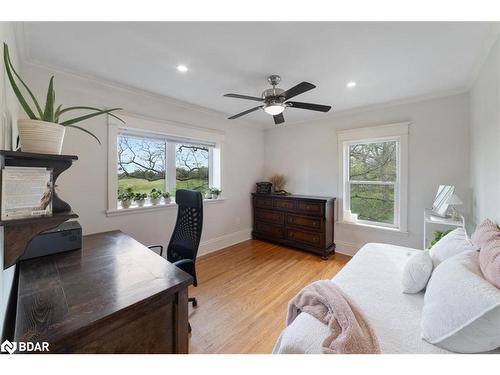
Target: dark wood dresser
304, 222
112, 296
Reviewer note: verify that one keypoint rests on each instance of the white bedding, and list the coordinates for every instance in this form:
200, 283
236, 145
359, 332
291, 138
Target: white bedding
372, 279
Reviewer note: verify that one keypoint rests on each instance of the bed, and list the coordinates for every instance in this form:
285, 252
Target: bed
372, 279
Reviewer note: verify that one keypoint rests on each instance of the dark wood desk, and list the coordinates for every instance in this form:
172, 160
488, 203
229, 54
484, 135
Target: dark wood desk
113, 296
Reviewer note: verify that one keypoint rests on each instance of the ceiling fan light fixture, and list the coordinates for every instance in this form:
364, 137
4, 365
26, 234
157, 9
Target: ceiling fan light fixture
274, 109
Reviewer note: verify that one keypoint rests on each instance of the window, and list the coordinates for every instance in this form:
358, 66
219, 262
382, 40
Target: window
143, 159
141, 163
374, 170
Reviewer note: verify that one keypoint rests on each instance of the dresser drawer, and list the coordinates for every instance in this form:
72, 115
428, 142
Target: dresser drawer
270, 230
309, 238
275, 217
284, 204
263, 202
310, 208
311, 223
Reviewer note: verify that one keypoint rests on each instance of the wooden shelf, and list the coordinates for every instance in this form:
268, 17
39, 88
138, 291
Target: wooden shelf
32, 156
33, 220
19, 232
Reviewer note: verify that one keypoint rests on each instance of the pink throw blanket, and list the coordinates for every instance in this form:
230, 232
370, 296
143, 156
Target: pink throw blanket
350, 332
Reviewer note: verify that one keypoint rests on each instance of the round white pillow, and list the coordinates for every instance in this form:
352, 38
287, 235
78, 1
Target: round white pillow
417, 272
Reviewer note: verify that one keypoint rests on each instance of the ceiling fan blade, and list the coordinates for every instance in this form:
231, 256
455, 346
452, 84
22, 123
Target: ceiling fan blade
279, 119
310, 106
238, 96
298, 89
246, 112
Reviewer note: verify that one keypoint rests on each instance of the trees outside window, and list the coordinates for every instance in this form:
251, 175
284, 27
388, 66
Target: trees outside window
373, 181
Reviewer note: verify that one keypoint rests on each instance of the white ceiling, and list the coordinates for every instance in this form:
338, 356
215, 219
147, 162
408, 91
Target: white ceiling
389, 61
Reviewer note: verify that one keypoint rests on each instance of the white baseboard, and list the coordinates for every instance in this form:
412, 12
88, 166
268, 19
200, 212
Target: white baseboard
346, 248
226, 240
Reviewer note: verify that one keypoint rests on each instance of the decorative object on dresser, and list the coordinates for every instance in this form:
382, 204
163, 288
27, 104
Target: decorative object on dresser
263, 187
278, 181
304, 222
112, 296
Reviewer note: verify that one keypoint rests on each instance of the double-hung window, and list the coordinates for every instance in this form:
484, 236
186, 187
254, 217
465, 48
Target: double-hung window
374, 176
147, 156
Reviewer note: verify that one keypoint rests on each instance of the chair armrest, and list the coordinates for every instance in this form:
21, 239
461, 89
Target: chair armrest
157, 247
187, 265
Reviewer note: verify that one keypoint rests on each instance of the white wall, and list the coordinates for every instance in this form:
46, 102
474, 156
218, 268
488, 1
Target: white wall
438, 154
485, 139
8, 115
84, 185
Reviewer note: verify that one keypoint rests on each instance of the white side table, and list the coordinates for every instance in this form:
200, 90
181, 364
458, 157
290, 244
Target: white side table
430, 219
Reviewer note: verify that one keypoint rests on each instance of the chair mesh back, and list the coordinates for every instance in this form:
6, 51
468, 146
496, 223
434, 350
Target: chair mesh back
187, 232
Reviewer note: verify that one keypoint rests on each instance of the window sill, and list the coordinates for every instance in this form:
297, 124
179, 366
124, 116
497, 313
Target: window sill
374, 227
158, 207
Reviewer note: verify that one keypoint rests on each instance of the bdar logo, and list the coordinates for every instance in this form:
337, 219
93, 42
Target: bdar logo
8, 347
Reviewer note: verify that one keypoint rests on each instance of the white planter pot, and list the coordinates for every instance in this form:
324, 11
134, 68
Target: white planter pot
140, 203
40, 136
168, 200
155, 201
215, 196
126, 204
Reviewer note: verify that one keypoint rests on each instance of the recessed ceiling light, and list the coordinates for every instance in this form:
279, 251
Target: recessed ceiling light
182, 68
351, 84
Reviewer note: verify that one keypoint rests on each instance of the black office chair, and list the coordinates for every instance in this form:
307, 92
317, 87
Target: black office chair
183, 245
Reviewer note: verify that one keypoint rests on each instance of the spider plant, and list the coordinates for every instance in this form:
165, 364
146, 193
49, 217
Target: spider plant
50, 113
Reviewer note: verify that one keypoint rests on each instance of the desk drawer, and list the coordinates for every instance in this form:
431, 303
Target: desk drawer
270, 230
275, 217
307, 222
284, 204
310, 208
309, 238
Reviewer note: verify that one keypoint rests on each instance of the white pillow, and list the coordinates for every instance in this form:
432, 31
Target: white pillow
461, 309
417, 271
453, 243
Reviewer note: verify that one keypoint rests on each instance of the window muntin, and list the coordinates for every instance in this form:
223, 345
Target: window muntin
372, 186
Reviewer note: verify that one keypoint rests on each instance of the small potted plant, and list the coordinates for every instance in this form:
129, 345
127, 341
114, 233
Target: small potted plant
215, 193
126, 196
166, 197
44, 131
208, 194
140, 199
155, 196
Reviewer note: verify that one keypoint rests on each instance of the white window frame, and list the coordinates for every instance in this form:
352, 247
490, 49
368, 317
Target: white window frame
392, 132
145, 126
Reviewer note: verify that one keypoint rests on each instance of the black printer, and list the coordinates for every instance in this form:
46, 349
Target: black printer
65, 237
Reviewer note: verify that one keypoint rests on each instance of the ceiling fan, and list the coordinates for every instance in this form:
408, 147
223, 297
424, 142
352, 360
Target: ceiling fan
275, 100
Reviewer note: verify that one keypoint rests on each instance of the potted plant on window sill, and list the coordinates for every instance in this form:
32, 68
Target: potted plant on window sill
125, 197
155, 196
140, 199
44, 131
215, 193
166, 197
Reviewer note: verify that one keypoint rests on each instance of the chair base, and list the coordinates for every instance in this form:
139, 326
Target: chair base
193, 301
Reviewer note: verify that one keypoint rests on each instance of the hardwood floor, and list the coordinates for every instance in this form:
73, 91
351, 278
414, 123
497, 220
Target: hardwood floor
243, 292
